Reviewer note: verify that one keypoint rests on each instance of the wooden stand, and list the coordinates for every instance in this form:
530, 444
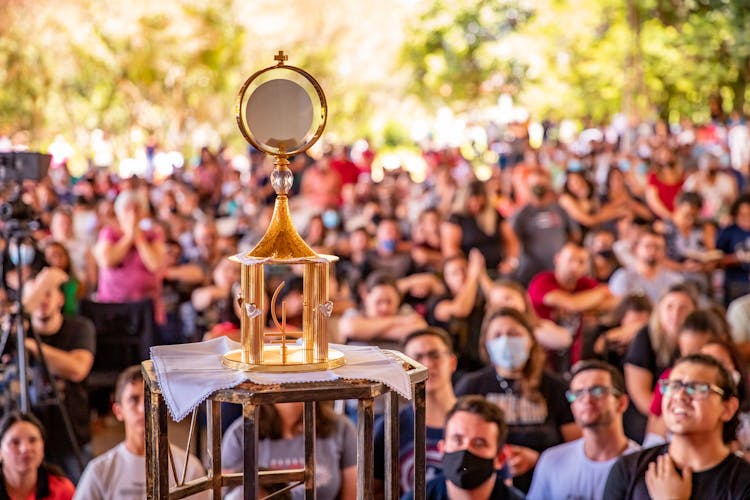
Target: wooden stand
251, 396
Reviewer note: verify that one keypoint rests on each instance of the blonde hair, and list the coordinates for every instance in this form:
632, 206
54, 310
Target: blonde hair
662, 344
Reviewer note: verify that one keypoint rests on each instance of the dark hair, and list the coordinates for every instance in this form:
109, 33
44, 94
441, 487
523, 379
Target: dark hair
566, 186
431, 331
705, 320
743, 392
724, 382
14, 417
618, 381
532, 371
489, 412
632, 302
743, 199
476, 188
379, 278
129, 375
269, 423
42, 481
695, 200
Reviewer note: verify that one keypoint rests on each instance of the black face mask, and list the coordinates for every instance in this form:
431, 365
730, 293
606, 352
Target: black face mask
539, 190
466, 470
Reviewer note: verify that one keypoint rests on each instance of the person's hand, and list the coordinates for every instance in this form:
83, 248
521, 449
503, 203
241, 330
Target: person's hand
51, 277
521, 459
664, 482
30, 345
508, 266
477, 264
692, 266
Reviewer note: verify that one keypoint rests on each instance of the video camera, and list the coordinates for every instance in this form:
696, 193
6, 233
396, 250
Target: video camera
23, 165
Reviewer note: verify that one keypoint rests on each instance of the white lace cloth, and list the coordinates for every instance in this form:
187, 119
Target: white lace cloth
188, 373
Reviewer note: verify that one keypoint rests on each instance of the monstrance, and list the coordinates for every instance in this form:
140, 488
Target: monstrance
281, 110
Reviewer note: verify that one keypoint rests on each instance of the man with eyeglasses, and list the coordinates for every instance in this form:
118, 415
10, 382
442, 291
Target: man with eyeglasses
431, 347
700, 409
578, 469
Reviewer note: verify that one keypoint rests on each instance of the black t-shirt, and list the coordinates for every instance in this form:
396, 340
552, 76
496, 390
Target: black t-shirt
465, 332
533, 424
76, 332
472, 236
730, 479
641, 353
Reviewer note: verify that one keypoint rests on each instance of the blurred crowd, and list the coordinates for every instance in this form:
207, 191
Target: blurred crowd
628, 244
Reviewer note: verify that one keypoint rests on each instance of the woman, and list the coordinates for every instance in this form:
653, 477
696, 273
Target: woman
131, 255
23, 473
56, 255
699, 328
664, 184
532, 398
506, 293
734, 241
653, 350
281, 445
482, 227
578, 199
618, 193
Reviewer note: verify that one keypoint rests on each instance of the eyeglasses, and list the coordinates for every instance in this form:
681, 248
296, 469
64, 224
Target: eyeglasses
429, 355
695, 390
596, 391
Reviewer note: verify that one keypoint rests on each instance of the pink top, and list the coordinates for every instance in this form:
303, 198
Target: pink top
130, 280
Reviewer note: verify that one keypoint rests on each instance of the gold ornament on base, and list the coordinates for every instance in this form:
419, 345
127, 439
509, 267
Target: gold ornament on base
281, 110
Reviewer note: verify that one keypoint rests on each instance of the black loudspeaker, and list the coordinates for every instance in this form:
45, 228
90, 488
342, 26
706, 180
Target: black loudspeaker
23, 165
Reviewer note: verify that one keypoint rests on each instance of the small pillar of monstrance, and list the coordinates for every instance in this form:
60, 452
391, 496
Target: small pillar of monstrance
281, 110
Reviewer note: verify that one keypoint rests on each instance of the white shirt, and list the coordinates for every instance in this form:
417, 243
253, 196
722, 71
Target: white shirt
565, 472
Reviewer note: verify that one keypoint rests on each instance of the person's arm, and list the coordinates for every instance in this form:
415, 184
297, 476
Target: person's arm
348, 483
420, 285
577, 302
639, 382
463, 302
552, 336
359, 327
512, 249
450, 239
152, 253
204, 296
72, 365
35, 289
110, 254
189, 273
655, 203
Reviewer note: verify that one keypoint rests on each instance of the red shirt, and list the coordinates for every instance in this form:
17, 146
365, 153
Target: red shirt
667, 192
544, 283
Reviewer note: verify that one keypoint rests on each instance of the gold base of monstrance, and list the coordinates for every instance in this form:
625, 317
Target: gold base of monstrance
276, 361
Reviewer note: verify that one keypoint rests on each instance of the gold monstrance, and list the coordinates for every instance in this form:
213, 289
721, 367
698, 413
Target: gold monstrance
281, 110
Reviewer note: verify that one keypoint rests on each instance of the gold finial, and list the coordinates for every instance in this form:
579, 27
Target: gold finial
281, 57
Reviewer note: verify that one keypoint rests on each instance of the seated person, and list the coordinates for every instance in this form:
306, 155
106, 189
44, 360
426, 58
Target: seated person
433, 348
214, 303
281, 446
23, 472
121, 472
475, 432
383, 322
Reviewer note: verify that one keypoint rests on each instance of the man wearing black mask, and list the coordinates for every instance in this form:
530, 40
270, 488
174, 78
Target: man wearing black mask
475, 432
542, 228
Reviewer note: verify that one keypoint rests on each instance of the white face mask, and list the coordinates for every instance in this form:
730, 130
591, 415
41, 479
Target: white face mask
23, 256
509, 353
736, 377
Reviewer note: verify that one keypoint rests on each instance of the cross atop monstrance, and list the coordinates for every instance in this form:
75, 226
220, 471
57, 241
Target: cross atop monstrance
280, 57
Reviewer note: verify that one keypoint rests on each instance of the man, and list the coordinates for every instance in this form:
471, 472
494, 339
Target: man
388, 254
648, 276
579, 469
121, 472
565, 294
68, 346
431, 347
699, 408
542, 227
475, 432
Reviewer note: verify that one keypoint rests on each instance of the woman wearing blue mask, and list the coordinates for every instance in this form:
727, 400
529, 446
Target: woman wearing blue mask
532, 399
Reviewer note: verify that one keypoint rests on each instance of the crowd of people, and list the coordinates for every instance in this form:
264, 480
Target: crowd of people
570, 306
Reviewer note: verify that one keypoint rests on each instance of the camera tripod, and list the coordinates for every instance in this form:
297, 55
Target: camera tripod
15, 235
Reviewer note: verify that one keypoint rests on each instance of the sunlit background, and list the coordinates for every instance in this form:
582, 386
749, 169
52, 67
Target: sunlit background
95, 82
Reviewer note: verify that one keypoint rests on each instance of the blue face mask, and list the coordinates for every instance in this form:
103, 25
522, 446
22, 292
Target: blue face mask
388, 245
624, 165
509, 353
330, 219
27, 254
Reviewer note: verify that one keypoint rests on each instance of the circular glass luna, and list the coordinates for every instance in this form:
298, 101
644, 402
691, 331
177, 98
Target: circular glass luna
281, 110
